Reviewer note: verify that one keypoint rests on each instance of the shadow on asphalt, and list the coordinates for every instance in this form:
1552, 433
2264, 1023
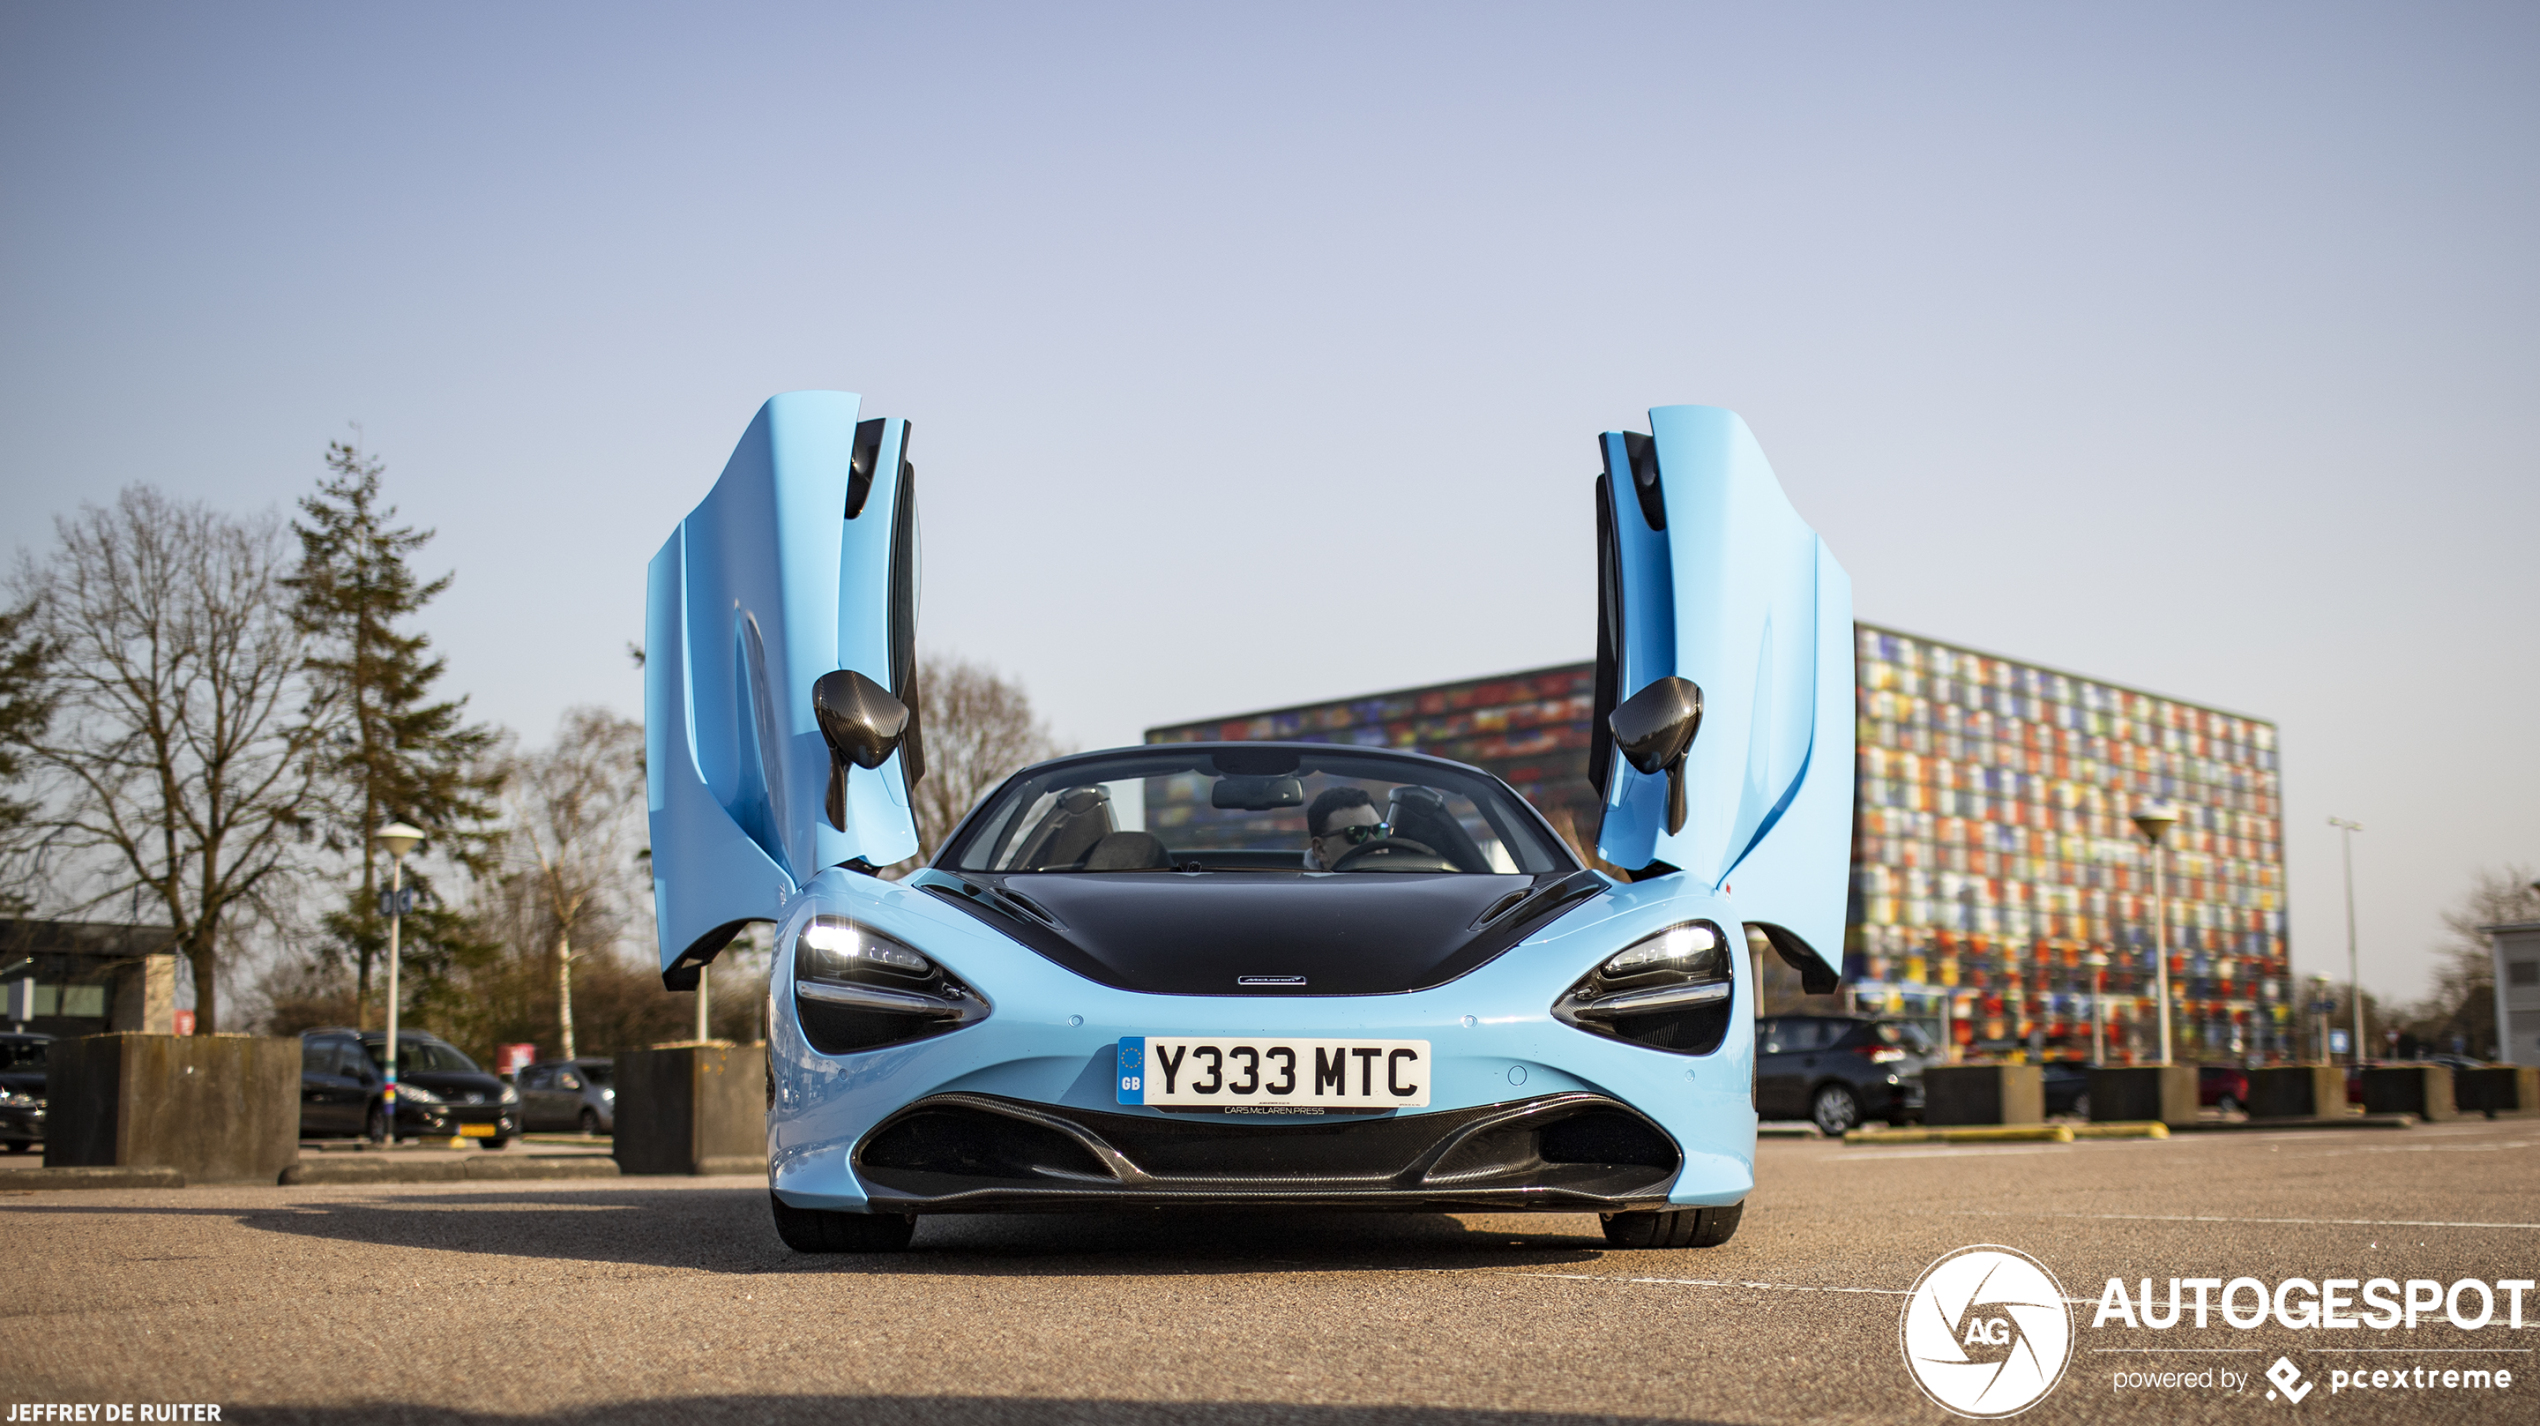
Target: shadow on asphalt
729, 1230
940, 1411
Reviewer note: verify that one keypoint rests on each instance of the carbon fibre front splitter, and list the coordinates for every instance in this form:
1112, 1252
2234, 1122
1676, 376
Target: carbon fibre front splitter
1571, 1152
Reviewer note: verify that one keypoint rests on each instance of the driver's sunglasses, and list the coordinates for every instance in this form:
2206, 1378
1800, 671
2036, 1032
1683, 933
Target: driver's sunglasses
1362, 833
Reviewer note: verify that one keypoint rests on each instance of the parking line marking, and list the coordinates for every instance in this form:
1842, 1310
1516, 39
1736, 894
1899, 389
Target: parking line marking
2216, 1218
1691, 1282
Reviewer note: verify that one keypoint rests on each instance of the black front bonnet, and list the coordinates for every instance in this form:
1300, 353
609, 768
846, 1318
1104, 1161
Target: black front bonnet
1289, 933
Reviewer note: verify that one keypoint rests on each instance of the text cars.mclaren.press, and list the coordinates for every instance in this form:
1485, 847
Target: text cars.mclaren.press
1273, 974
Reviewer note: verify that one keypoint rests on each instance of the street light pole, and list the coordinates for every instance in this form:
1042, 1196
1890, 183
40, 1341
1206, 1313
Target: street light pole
396, 839
2354, 987
2155, 822
2098, 962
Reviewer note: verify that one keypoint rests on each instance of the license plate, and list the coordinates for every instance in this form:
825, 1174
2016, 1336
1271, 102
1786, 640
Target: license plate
1237, 1073
476, 1131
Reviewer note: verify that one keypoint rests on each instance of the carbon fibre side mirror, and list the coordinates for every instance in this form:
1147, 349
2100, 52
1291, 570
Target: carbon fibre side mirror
861, 722
1654, 729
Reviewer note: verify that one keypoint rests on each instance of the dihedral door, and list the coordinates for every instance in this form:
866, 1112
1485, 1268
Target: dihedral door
1708, 574
802, 560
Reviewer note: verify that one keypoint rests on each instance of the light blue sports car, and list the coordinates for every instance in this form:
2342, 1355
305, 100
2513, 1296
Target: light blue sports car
1250, 974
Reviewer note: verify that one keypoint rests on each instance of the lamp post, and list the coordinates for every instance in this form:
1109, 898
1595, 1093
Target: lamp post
2354, 988
396, 839
2155, 822
2098, 963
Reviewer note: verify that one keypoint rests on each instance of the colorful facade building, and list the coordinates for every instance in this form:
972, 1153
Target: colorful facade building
2001, 894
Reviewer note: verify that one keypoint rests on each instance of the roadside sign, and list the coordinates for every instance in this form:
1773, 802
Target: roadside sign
397, 903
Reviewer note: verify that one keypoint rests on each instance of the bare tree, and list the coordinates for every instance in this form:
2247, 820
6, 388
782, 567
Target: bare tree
576, 821
2463, 1003
178, 771
979, 728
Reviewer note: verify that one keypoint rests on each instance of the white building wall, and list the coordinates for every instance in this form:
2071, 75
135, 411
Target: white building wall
2517, 950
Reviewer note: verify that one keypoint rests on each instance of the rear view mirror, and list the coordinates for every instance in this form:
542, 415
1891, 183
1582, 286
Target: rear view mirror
1654, 729
1256, 794
861, 722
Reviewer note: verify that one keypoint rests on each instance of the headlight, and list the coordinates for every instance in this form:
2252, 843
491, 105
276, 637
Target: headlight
858, 989
417, 1093
510, 1095
1690, 947
609, 1094
1670, 991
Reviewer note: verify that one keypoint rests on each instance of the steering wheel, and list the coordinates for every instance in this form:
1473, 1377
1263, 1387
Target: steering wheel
1392, 854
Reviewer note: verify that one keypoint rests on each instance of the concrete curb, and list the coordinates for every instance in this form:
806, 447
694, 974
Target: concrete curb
1967, 1134
326, 1171
732, 1164
92, 1178
1787, 1131
2333, 1121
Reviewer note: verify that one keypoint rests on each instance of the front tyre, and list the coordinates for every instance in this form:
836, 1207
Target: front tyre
1836, 1110
1682, 1228
814, 1230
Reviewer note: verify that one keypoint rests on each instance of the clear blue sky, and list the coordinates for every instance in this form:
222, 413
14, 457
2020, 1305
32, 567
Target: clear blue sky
2192, 347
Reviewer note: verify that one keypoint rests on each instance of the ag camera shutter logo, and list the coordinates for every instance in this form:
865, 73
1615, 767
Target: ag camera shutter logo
1986, 1332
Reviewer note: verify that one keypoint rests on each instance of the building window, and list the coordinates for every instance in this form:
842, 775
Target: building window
2522, 972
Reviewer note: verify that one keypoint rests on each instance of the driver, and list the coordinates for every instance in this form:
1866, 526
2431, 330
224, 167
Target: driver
1341, 819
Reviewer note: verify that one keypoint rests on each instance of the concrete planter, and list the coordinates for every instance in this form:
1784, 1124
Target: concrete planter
215, 1108
2422, 1090
2297, 1092
2140, 1094
2497, 1090
1984, 1094
692, 1109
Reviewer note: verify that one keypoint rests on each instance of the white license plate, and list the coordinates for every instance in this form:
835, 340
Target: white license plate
1236, 1072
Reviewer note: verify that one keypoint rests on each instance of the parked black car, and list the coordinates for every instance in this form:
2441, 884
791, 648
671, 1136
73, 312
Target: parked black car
568, 1095
439, 1090
22, 1090
1838, 1070
2067, 1085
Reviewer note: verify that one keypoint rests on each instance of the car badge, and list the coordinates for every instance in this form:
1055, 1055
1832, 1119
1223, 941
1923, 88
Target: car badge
1269, 980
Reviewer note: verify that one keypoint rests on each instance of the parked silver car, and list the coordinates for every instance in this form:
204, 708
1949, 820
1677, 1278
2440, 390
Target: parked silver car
568, 1095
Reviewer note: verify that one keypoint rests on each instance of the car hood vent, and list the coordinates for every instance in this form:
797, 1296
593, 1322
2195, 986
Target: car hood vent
1214, 933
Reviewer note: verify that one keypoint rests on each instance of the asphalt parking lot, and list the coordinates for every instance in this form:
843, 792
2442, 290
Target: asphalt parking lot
671, 1300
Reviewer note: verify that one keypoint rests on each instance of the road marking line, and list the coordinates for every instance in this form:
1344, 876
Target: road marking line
2214, 1218
1975, 1151
1681, 1281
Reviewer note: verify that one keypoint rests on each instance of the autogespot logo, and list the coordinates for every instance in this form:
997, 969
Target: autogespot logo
1986, 1332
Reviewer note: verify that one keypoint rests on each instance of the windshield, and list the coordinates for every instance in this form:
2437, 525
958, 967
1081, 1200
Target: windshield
422, 1057
596, 1073
1905, 1036
22, 1054
1256, 807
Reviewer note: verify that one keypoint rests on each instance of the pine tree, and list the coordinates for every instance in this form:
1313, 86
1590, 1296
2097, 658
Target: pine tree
26, 706
398, 753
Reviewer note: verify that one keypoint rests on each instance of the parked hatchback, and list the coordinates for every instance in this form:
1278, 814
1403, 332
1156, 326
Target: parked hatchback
568, 1095
1838, 1070
22, 1090
2223, 1087
440, 1091
2067, 1087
